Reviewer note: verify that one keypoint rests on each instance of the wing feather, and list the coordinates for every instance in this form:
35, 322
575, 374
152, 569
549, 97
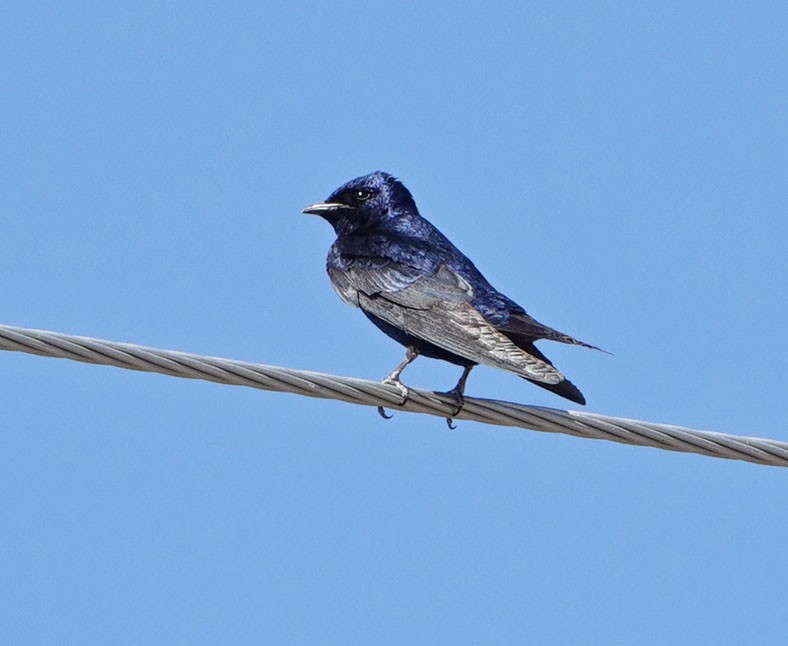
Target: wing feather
437, 308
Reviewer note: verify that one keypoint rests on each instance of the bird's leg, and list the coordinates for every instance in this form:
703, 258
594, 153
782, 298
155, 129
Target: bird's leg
457, 392
393, 379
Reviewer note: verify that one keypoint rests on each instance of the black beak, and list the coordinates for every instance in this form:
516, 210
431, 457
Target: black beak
323, 208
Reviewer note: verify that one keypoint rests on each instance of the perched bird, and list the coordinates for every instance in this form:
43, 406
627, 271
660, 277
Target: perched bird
423, 292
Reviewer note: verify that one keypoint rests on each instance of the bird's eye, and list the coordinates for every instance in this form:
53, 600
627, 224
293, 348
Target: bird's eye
362, 195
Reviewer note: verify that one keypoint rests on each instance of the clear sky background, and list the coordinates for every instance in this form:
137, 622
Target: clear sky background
619, 170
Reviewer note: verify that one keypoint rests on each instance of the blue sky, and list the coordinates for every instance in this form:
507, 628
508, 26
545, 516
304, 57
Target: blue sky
618, 169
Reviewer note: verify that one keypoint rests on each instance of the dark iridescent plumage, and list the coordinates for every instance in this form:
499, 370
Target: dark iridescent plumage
422, 291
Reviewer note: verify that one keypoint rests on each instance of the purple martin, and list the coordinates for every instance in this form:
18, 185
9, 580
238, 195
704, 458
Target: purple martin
418, 288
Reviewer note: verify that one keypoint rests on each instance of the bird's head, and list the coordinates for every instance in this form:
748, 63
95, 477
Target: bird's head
365, 202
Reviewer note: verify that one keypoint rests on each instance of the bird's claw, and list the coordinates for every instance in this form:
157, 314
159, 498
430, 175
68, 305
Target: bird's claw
456, 394
458, 398
403, 391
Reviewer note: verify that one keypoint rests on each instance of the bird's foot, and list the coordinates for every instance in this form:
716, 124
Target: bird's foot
403, 391
457, 394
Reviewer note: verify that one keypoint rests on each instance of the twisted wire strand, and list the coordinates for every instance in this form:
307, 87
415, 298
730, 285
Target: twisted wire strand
371, 393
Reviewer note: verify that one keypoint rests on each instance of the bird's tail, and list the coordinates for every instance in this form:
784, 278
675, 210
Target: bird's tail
565, 338
525, 328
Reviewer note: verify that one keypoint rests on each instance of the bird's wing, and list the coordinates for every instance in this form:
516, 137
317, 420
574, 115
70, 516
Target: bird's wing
371, 279
437, 308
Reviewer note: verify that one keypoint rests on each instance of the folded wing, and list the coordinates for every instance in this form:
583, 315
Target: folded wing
437, 308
